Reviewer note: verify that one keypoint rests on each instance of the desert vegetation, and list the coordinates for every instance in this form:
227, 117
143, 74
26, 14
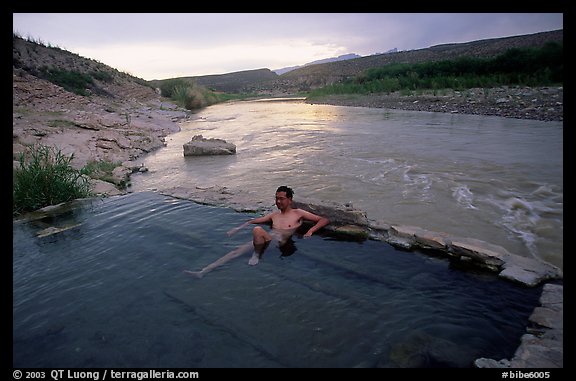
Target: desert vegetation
188, 94
45, 177
79, 75
515, 67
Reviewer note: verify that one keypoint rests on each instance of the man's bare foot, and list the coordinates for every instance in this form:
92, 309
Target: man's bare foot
253, 260
196, 274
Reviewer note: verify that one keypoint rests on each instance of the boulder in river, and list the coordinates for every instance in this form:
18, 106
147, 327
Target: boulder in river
200, 146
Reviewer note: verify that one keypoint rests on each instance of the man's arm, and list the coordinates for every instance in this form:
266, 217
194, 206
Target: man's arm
258, 220
319, 221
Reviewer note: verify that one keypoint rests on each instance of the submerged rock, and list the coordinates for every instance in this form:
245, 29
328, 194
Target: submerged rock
54, 230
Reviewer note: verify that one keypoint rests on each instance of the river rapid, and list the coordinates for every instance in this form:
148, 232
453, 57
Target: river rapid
490, 178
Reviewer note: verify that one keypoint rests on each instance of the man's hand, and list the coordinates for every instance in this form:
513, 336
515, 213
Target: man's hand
233, 231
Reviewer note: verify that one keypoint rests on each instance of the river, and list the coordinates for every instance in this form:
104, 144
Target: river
490, 178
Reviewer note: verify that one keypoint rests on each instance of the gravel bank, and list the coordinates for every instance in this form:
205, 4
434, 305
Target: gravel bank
541, 103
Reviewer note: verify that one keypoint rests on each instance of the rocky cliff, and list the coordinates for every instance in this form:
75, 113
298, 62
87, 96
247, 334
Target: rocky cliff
104, 115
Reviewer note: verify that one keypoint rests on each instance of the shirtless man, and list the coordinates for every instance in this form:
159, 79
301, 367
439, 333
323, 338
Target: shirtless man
284, 222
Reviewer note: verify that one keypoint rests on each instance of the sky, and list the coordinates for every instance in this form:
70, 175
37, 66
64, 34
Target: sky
168, 45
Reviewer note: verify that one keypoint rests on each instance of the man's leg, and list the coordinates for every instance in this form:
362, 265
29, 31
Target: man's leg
260, 239
219, 262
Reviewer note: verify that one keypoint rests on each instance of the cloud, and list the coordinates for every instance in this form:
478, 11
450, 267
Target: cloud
156, 45
159, 61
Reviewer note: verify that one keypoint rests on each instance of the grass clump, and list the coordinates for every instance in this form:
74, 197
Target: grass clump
45, 177
186, 93
70, 80
103, 170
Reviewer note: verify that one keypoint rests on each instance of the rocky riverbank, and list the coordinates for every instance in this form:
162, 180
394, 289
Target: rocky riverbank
116, 129
537, 103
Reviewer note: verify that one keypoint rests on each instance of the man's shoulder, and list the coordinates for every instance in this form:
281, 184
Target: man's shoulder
300, 211
292, 211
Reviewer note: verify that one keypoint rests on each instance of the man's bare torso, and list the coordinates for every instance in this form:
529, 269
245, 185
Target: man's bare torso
288, 220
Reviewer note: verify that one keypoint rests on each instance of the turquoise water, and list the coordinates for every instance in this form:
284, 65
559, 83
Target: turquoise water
111, 292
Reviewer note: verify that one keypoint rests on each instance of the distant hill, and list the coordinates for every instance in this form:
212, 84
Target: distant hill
320, 73
230, 82
309, 77
343, 57
239, 81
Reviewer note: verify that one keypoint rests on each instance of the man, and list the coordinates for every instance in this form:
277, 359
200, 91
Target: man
284, 223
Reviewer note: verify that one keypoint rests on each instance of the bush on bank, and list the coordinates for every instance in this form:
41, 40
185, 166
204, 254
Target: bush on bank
45, 177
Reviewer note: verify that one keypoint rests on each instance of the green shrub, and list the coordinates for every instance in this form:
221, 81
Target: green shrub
168, 86
45, 177
70, 80
102, 76
101, 170
191, 96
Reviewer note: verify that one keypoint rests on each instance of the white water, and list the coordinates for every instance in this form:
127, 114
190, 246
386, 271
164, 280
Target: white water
490, 178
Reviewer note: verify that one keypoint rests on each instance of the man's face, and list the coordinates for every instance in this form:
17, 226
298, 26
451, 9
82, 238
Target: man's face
282, 202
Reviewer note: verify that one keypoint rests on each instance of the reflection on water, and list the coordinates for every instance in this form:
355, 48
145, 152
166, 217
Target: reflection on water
111, 292
490, 178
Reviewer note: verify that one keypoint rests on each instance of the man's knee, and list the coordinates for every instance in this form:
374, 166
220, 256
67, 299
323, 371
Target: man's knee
258, 230
260, 235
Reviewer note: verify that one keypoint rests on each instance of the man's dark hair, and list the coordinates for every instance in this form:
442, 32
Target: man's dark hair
288, 190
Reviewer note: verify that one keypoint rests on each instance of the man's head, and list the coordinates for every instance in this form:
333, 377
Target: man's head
284, 196
289, 192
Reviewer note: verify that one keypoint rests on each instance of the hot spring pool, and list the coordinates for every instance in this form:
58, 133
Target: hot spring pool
111, 292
